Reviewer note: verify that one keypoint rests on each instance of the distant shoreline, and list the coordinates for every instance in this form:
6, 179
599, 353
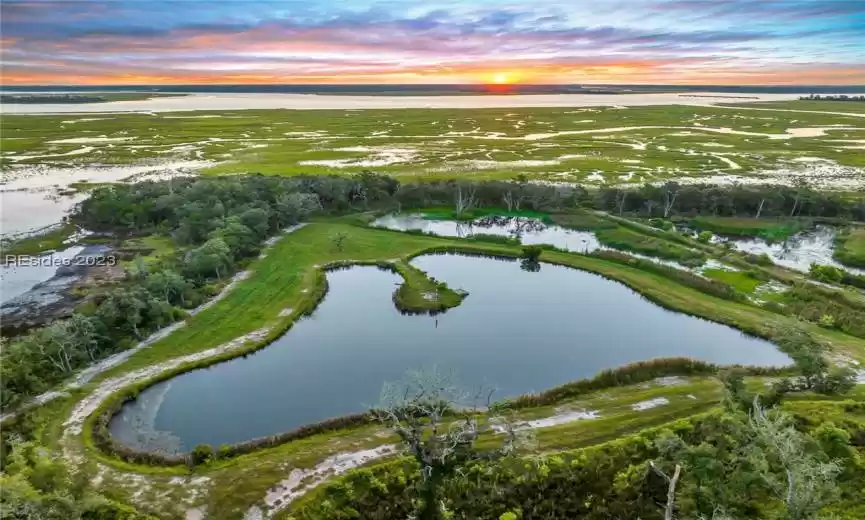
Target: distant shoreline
436, 89
224, 102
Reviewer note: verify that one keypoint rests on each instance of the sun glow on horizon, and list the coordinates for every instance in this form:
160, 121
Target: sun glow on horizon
503, 78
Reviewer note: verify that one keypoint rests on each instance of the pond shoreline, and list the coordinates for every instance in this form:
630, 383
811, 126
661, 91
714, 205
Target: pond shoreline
98, 422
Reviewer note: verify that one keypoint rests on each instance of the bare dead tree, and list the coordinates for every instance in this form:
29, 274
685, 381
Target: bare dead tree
650, 206
621, 197
509, 201
465, 199
760, 209
437, 423
804, 483
671, 191
671, 487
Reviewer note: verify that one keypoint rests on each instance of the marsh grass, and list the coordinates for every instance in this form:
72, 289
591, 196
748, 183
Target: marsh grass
772, 230
742, 281
38, 244
850, 247
629, 240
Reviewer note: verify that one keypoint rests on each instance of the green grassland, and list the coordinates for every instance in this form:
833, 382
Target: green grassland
588, 145
770, 229
288, 278
740, 281
854, 107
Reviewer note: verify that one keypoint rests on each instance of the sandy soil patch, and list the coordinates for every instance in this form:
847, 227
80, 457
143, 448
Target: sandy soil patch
92, 140
301, 481
380, 157
79, 151
563, 417
649, 404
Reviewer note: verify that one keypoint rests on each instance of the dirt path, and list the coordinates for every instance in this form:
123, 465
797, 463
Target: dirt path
86, 375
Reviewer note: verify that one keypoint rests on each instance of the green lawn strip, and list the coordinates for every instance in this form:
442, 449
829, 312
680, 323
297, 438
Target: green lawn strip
37, 244
740, 281
770, 229
581, 221
629, 240
645, 229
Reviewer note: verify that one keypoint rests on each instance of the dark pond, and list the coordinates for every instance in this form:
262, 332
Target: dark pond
520, 331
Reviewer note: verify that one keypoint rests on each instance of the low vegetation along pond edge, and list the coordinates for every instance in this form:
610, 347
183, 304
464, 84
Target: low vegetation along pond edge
409, 298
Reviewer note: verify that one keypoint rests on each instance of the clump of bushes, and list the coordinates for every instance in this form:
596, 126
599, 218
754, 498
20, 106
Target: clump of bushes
532, 253
825, 273
830, 308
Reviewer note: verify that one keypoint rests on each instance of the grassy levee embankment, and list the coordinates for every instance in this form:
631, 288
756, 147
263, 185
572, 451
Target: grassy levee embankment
284, 278
292, 276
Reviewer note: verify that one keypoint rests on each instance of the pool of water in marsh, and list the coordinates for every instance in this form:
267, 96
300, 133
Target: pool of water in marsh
518, 330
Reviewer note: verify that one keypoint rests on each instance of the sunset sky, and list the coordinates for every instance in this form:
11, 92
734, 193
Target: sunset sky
92, 42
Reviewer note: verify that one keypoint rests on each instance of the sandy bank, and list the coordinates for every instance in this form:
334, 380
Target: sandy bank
320, 102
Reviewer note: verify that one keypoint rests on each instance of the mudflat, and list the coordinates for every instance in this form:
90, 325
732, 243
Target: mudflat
325, 102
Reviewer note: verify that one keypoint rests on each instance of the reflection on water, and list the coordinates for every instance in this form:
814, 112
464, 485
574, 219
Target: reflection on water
798, 251
530, 231
521, 329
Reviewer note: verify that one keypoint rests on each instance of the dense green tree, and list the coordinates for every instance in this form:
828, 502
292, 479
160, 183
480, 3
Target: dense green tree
210, 259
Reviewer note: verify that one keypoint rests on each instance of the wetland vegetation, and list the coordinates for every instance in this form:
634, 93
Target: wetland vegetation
543, 289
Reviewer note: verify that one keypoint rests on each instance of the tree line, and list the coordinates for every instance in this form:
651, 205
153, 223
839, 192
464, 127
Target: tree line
830, 97
220, 223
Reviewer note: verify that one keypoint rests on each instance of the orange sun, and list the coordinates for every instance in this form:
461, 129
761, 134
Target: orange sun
502, 78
